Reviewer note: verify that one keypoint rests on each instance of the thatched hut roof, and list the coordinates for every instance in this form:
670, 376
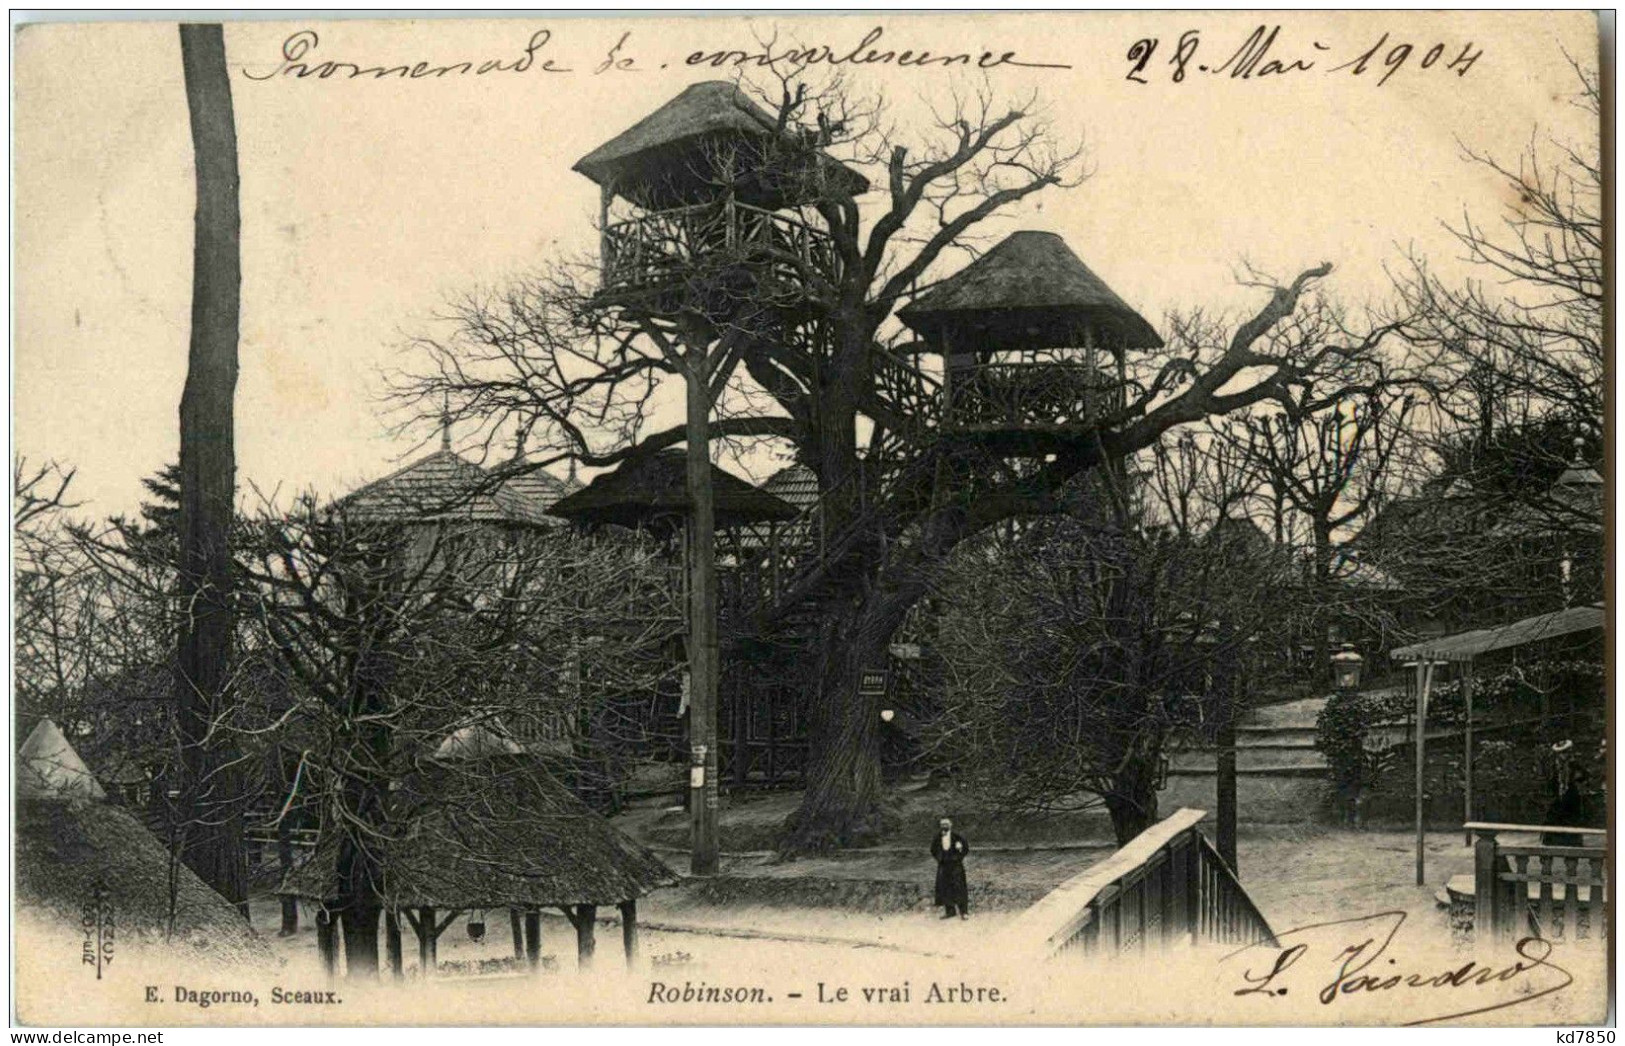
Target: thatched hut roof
1028, 292
670, 157
72, 850
49, 768
446, 486
652, 493
495, 830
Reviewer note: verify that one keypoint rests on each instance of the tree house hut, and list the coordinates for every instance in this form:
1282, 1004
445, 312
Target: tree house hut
76, 852
715, 187
1033, 345
650, 494
482, 825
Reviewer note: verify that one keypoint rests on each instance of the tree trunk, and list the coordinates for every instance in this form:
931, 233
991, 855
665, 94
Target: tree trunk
284, 853
1322, 672
359, 924
211, 787
841, 804
1132, 800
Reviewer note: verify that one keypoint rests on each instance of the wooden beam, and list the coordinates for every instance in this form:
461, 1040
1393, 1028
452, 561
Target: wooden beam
427, 958
517, 928
327, 940
629, 931
392, 943
440, 928
1424, 683
533, 938
586, 917
1467, 751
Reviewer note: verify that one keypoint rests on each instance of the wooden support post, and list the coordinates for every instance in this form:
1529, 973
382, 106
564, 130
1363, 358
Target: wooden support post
327, 941
606, 196
1424, 682
1486, 890
1191, 884
516, 927
425, 927
1224, 776
629, 932
585, 918
1467, 750
533, 938
392, 943
702, 618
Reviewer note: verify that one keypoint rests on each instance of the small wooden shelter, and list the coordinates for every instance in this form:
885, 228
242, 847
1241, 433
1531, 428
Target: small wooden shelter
1021, 331
483, 825
651, 494
1461, 651
77, 853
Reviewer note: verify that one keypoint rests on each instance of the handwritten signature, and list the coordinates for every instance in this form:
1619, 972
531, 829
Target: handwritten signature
1362, 967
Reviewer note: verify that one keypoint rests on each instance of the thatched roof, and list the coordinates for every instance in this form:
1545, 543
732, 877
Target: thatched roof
669, 158
446, 486
495, 831
652, 493
72, 851
1028, 292
48, 767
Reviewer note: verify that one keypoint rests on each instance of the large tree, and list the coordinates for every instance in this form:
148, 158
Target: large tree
546, 356
212, 789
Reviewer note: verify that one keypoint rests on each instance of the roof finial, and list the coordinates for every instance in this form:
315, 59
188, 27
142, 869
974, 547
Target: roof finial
572, 462
1579, 450
445, 421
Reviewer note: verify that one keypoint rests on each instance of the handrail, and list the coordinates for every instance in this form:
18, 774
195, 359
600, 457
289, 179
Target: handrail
1168, 882
1493, 826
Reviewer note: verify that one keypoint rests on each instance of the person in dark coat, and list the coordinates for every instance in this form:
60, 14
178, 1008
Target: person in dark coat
949, 848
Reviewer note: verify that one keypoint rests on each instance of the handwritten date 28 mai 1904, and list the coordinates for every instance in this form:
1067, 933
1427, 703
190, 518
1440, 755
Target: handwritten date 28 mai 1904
1265, 54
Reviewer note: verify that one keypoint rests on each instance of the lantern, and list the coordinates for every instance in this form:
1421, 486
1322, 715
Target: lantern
1346, 665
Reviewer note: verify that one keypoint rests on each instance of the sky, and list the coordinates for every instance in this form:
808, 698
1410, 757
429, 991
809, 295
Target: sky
368, 203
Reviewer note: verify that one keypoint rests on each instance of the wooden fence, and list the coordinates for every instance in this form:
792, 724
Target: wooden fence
1167, 887
1553, 892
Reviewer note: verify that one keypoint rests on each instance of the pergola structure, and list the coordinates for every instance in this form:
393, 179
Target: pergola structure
1461, 650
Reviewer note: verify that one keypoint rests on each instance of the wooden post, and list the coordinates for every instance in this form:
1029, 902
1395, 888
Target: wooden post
517, 930
1191, 883
586, 915
1225, 776
606, 196
427, 960
1467, 749
392, 942
1486, 890
533, 938
629, 931
327, 941
702, 624
1424, 681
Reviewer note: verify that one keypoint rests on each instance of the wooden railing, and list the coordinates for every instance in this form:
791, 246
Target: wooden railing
1030, 394
1541, 890
666, 247
1167, 887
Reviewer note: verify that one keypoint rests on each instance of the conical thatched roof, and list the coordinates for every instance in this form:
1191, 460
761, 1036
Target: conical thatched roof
495, 831
669, 157
652, 493
72, 851
49, 768
446, 486
1029, 291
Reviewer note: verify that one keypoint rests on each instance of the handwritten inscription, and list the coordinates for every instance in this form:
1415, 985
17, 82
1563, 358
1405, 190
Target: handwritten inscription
299, 62
299, 59
1263, 54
